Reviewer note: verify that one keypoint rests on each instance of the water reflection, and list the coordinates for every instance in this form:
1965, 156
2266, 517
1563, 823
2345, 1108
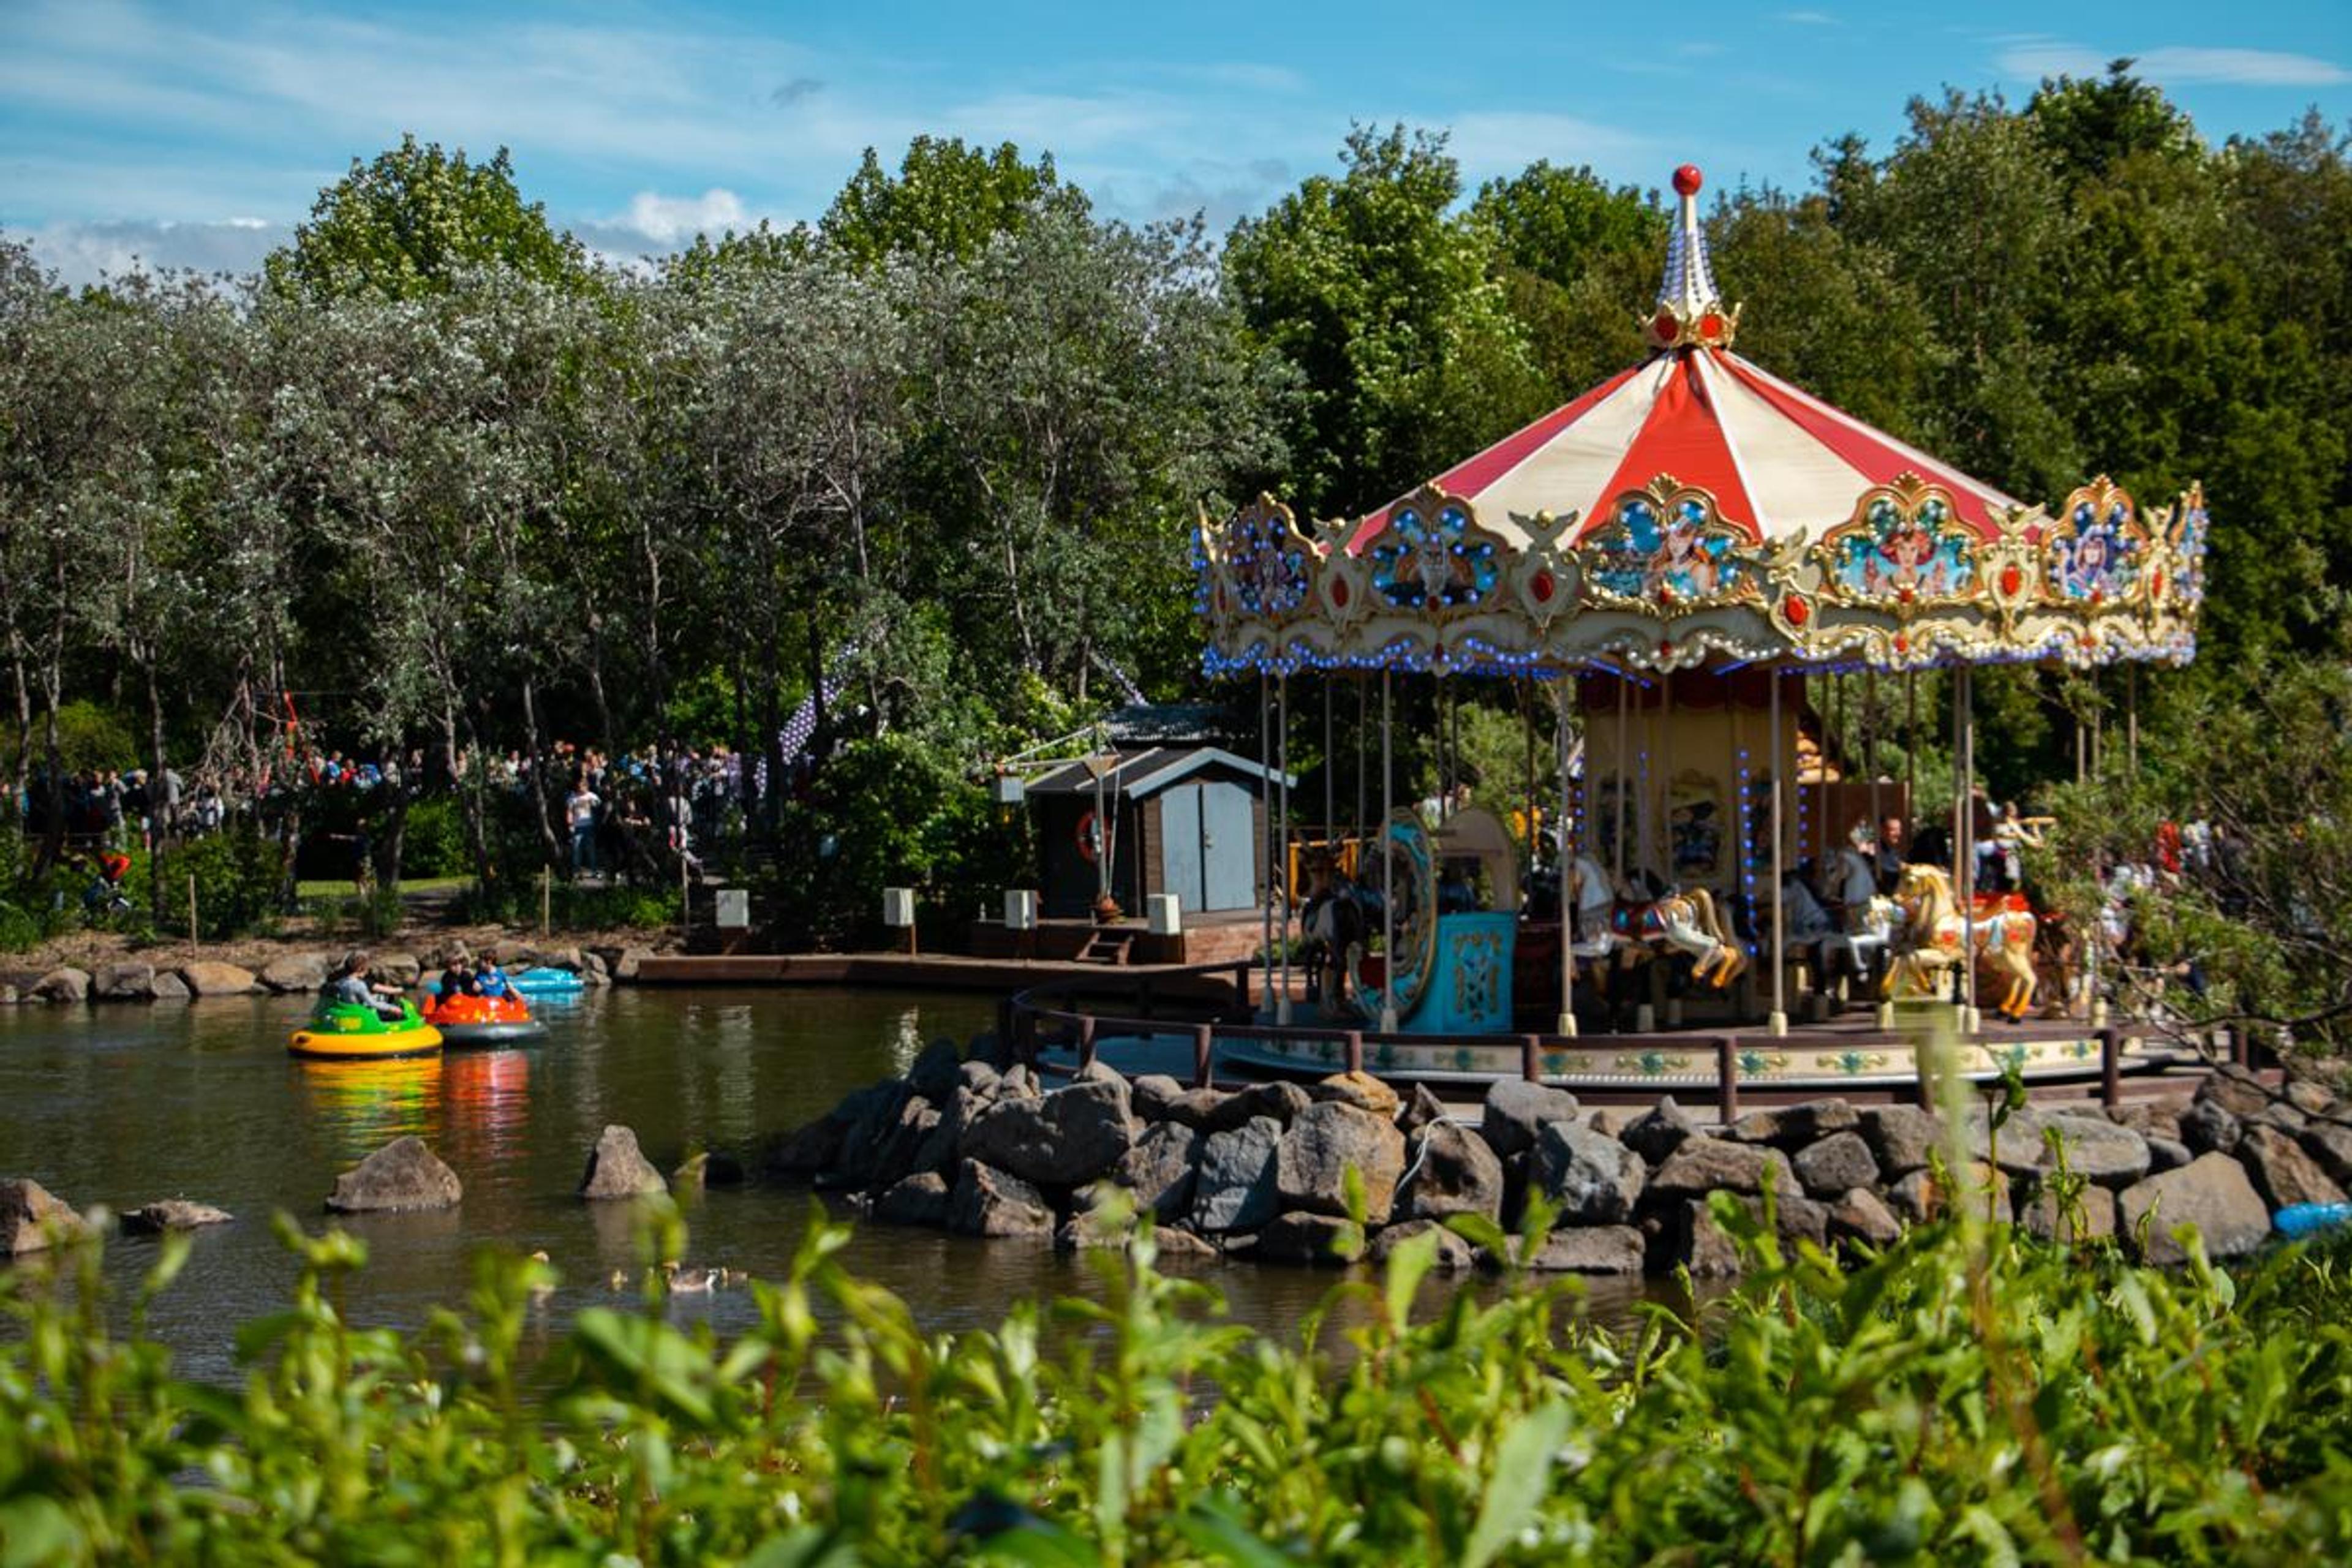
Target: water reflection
488, 1098
356, 1108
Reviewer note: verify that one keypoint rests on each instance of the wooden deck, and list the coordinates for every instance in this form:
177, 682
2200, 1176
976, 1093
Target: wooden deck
939, 971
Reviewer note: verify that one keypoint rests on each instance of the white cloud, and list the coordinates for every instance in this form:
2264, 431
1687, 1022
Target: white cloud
82, 253
672, 221
1492, 141
1808, 19
2173, 64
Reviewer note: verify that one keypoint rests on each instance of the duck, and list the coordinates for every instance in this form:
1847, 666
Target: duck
542, 1289
693, 1281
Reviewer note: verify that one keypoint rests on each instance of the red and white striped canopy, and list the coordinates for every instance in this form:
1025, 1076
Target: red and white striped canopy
1777, 458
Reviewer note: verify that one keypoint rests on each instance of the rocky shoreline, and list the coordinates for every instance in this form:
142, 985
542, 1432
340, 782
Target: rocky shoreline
973, 1146
300, 972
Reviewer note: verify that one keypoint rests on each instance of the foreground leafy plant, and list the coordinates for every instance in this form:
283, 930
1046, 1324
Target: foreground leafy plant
1968, 1395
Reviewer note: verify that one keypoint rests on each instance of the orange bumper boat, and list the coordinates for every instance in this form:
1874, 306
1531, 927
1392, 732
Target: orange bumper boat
466, 1021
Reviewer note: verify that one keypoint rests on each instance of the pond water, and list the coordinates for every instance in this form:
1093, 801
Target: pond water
123, 1105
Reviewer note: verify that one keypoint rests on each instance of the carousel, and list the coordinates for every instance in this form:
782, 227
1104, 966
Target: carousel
1681, 570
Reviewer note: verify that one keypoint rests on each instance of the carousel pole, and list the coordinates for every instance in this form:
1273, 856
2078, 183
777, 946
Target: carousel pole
1779, 1022
1363, 741
1870, 745
1266, 834
1964, 757
1624, 697
1380, 844
1567, 847
1910, 753
1330, 774
2131, 717
1282, 836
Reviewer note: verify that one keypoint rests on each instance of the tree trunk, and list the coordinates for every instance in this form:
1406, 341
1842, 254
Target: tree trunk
539, 781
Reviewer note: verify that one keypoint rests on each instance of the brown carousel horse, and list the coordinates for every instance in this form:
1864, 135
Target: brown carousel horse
1929, 941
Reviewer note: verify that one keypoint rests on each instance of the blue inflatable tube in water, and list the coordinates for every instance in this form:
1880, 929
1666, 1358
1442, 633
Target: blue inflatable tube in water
2300, 1220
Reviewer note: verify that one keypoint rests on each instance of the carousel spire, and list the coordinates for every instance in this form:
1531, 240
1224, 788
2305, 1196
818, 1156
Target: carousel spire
1689, 313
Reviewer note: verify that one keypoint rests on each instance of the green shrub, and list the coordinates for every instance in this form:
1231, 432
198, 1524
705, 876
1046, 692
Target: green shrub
435, 844
238, 875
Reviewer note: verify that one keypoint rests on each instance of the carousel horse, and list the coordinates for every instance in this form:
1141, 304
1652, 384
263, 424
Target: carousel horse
1687, 921
1860, 944
1933, 930
1333, 925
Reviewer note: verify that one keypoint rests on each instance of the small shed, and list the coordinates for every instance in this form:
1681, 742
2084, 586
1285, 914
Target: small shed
1187, 820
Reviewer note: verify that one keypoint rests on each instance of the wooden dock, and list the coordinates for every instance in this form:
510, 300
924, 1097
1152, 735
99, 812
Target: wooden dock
938, 972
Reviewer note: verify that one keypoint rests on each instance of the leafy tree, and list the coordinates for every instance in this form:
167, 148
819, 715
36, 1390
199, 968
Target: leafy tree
946, 198
407, 224
1578, 259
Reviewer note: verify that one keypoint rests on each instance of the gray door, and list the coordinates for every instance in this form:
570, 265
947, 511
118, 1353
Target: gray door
1179, 846
1228, 847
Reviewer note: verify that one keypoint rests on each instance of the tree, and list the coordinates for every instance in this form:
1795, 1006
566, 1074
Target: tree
946, 199
1387, 303
406, 226
1578, 259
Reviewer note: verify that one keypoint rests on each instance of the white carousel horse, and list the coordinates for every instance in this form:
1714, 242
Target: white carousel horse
1933, 930
1860, 944
1688, 921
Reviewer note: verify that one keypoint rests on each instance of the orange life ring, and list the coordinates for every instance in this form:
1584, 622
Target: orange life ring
1089, 840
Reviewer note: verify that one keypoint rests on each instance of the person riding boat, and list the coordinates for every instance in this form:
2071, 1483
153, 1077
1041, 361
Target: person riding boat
490, 981
459, 977
351, 987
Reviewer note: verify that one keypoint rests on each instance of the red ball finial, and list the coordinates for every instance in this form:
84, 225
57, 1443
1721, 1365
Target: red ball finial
1687, 180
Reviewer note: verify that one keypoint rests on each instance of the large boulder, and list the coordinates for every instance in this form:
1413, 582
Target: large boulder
2016, 1145
1838, 1164
2235, 1090
1660, 1131
2282, 1172
1161, 1169
1516, 1112
630, 962
172, 1213
1281, 1101
209, 977
1707, 1250
1452, 1255
125, 982
1302, 1237
1922, 1195
2330, 1143
2167, 1153
1329, 1139
1424, 1109
616, 1168
1859, 1215
2312, 1097
1591, 1249
1065, 1138
2210, 1127
1791, 1127
403, 1175
1360, 1090
937, 1072
64, 984
1591, 1178
990, 1201
30, 1214
297, 972
2211, 1193
1901, 1137
2091, 1216
1201, 1110
921, 1199
1454, 1172
170, 988
2099, 1151
1154, 1097
1704, 1166
1235, 1187
910, 1143
398, 968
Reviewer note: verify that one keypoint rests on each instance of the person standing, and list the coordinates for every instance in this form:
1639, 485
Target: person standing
579, 810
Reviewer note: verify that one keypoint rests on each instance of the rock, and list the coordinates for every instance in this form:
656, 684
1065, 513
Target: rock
921, 1199
937, 1072
1424, 1109
170, 988
2235, 1090
2282, 1172
1920, 1196
2167, 1153
2042, 1215
1454, 1254
2311, 1097
64, 984
1901, 1137
301, 972
1516, 1112
1704, 1247
1282, 1101
978, 1078
598, 967
1234, 1189
1161, 1169
30, 1214
2281, 1114
1858, 1215
2017, 1146
1066, 1139
1660, 1131
1324, 1142
910, 1143
2148, 1118
1791, 1127
2211, 1127
631, 962
2099, 1151
1019, 1081
8, 995
172, 1213
1154, 1095
1455, 1172
403, 1175
1175, 1241
807, 1149
2210, 1194
1360, 1090
1197, 1107
1592, 1249
1592, 1179
1838, 1163
1317, 1239
207, 978
2330, 1143
1704, 1166
124, 983
986, 1201
1609, 1121
617, 1168
406, 968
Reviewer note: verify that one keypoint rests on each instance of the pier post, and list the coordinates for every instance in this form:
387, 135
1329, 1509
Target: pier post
1727, 1078
1243, 1009
1355, 1043
1531, 1057
1143, 996
1204, 1039
2111, 1067
1086, 1041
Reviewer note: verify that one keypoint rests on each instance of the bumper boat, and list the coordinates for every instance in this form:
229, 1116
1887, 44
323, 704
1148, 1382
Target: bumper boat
484, 1021
343, 1031
546, 982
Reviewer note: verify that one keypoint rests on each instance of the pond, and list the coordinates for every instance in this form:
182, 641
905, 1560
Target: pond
123, 1105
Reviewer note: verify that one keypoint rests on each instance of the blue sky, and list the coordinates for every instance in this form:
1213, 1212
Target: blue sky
198, 133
